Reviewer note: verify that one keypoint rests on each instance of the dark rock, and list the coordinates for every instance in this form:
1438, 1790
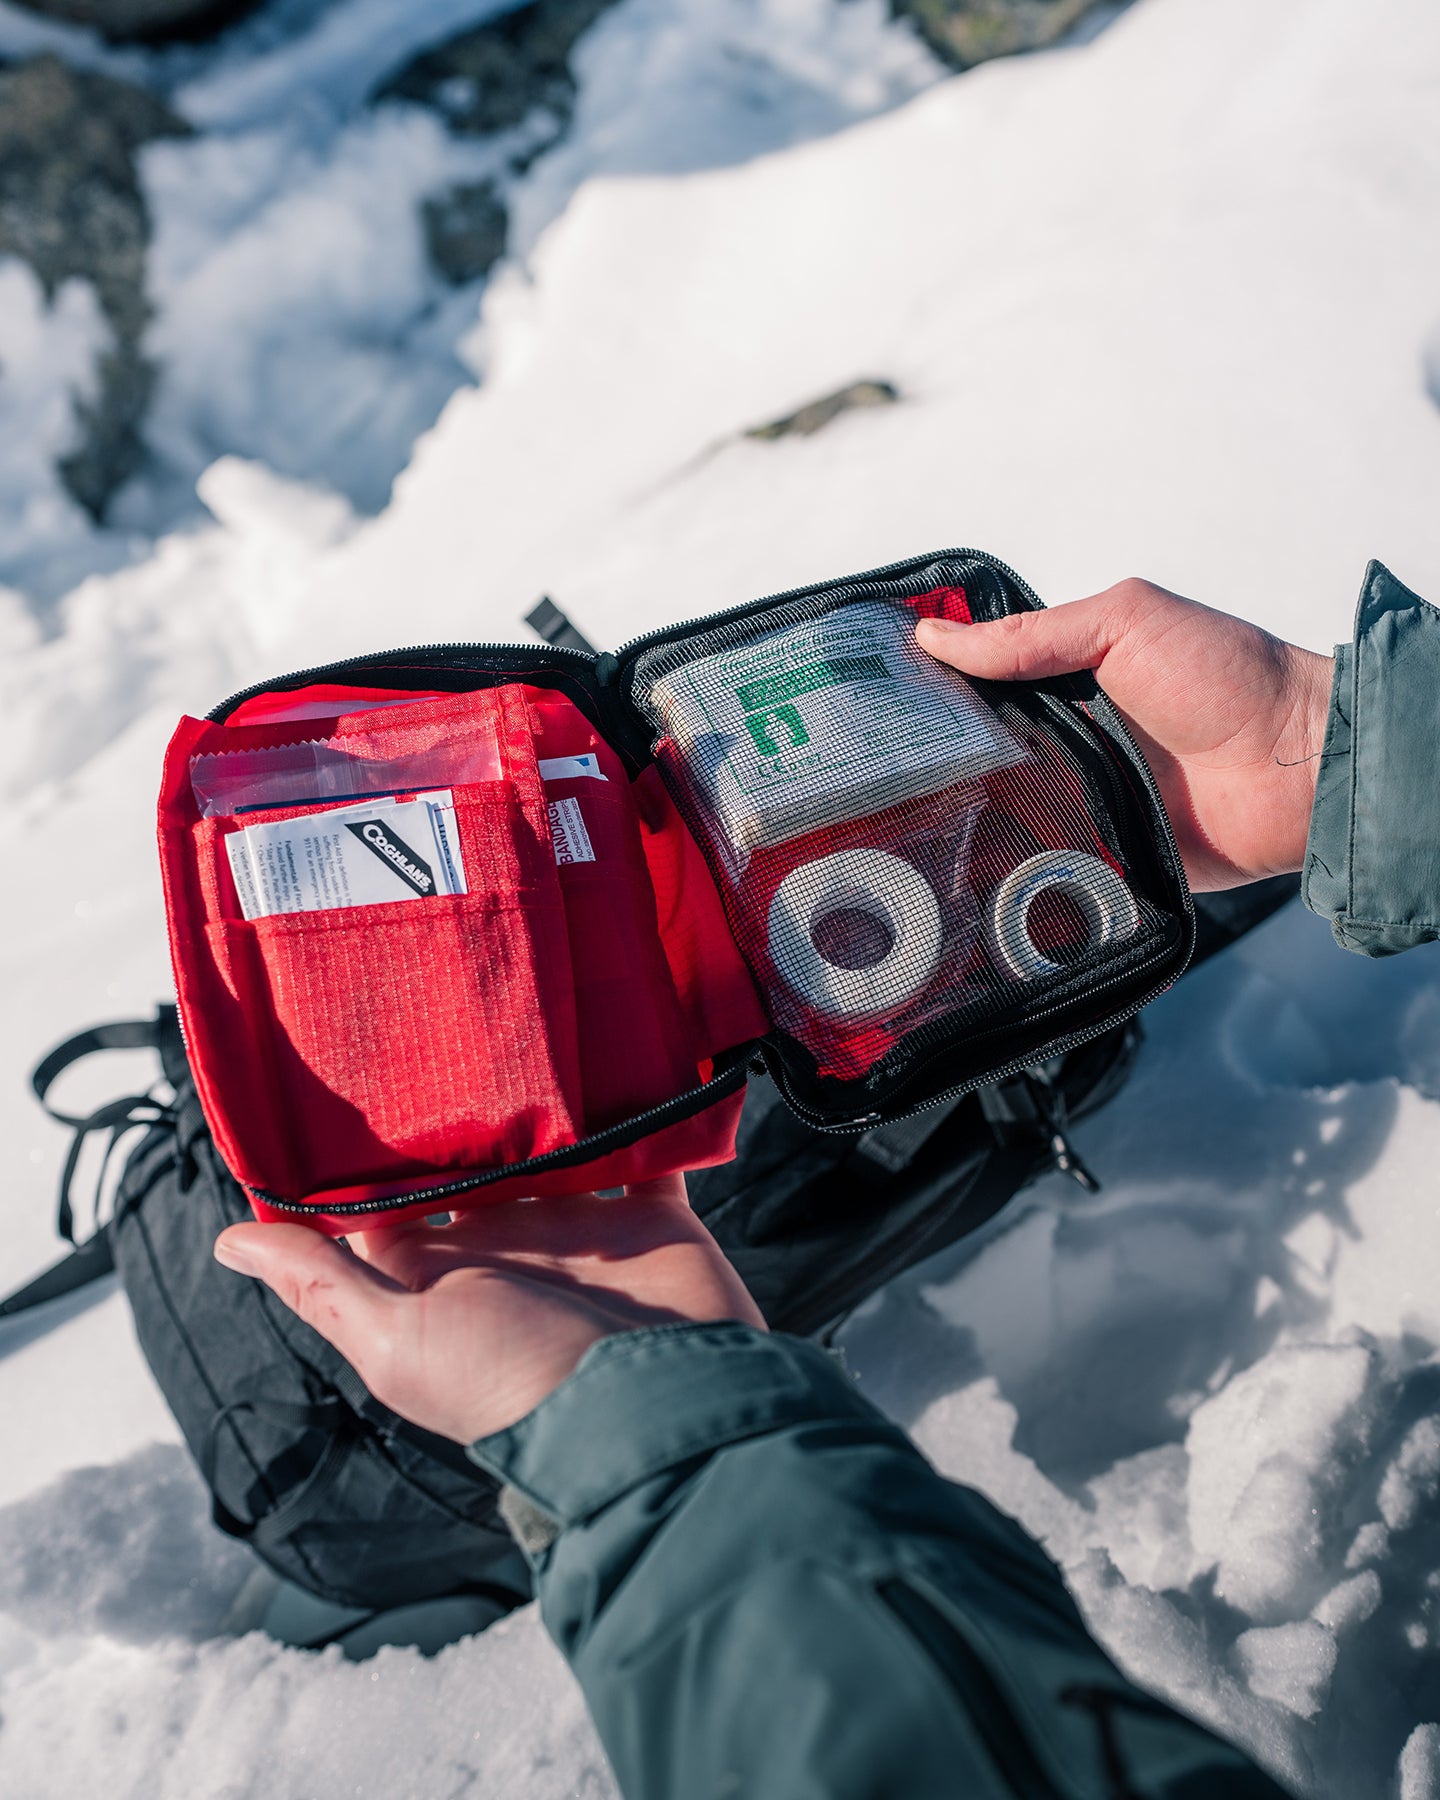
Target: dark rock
71, 207
465, 230
489, 78
145, 20
486, 80
965, 32
819, 413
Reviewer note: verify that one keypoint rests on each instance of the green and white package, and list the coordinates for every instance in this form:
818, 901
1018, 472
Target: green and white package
834, 719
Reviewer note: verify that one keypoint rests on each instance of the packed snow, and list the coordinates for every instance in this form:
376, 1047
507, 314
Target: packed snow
1167, 301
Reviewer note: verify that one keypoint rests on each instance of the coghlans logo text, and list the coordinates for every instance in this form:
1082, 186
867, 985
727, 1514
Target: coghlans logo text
399, 855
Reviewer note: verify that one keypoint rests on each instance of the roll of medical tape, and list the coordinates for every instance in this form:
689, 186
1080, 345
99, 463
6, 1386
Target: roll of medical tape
1109, 908
868, 881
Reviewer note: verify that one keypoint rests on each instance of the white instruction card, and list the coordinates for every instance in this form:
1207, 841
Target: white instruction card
364, 855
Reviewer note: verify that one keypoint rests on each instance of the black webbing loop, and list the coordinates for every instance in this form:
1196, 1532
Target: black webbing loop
116, 1116
94, 1257
307, 1499
121, 1034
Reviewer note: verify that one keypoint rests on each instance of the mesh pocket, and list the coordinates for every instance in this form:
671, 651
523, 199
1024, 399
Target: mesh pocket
908, 860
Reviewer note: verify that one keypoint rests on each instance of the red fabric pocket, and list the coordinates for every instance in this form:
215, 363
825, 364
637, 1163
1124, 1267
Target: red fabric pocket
356, 1055
435, 1034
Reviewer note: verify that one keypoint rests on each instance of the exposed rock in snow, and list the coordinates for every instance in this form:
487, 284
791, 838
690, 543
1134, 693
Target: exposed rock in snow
465, 230
816, 414
490, 77
71, 206
967, 32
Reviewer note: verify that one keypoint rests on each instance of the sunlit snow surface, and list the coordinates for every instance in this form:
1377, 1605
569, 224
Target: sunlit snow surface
1166, 302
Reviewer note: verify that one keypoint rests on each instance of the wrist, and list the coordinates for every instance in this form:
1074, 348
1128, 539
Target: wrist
1297, 755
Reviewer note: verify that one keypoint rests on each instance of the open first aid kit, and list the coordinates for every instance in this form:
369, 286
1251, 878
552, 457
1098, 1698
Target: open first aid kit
470, 922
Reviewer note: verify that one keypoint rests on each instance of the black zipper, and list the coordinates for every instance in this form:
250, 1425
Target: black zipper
984, 1703
819, 1121
732, 1071
397, 659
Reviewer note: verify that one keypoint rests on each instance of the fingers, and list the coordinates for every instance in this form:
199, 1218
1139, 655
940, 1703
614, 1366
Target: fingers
341, 1297
1033, 646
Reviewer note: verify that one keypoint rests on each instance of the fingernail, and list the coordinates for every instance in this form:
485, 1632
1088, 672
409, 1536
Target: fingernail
234, 1256
939, 627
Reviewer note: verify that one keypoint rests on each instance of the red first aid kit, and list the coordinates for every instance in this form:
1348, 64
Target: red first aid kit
472, 922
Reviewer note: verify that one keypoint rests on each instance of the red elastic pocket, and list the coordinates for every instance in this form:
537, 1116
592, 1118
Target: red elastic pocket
428, 1034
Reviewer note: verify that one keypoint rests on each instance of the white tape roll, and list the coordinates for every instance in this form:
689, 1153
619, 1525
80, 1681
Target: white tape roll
1108, 905
868, 881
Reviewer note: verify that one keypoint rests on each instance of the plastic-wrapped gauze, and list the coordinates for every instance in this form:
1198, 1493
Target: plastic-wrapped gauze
830, 720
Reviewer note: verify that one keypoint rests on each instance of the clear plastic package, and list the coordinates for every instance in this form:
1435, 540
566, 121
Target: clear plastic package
319, 771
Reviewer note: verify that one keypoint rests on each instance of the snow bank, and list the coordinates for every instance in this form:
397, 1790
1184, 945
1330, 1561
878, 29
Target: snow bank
298, 320
1162, 302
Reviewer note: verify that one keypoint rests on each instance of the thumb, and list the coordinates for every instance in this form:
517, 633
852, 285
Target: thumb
1030, 646
342, 1298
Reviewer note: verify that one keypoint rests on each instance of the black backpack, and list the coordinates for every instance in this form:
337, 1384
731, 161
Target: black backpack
350, 1503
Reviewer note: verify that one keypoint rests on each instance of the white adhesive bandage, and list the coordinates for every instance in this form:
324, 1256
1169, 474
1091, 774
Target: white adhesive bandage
868, 881
1108, 905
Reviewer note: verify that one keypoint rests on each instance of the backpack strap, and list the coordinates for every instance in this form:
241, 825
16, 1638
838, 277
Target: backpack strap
92, 1259
116, 1116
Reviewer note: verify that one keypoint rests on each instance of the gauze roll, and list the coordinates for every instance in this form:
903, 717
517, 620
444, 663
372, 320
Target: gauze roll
1107, 904
868, 881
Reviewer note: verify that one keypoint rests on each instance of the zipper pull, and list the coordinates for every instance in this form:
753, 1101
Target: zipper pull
1050, 1105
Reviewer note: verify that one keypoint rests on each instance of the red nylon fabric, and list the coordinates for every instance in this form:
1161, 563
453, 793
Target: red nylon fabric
340, 1054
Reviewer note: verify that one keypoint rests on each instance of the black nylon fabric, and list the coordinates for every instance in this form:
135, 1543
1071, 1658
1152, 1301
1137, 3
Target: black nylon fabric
368, 1511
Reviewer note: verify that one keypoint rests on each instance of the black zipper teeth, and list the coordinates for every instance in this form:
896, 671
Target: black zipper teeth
694, 1100
819, 591
1057, 1047
381, 658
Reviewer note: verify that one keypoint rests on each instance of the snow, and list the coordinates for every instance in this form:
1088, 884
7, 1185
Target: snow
1166, 301
298, 320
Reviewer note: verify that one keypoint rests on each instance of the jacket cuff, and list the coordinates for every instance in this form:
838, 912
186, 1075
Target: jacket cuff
643, 1402
1372, 860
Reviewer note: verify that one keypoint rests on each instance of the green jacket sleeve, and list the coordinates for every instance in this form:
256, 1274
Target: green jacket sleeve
1372, 862
767, 1593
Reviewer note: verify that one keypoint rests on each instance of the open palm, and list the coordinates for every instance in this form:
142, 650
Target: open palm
464, 1327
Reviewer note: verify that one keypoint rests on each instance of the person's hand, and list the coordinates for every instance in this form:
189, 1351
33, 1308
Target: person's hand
1231, 720
463, 1328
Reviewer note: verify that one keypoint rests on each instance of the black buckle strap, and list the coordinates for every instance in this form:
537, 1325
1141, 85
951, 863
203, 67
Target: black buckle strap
95, 1257
1032, 1105
120, 1034
116, 1116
